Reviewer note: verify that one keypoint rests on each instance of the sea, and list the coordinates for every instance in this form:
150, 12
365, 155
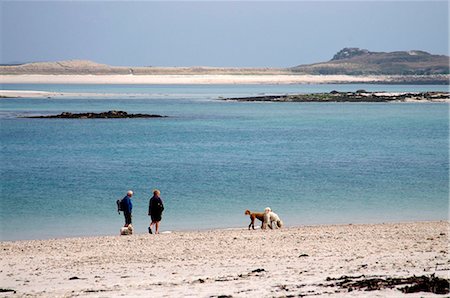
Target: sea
311, 163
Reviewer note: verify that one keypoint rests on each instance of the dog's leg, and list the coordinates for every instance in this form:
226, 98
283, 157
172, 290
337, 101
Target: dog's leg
266, 221
280, 224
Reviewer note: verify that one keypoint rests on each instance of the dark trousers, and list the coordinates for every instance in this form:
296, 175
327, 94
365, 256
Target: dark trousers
127, 218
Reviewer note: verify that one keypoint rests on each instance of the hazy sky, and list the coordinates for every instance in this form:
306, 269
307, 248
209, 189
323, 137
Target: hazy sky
213, 33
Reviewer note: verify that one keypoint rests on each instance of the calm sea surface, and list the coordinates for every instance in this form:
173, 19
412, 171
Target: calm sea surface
312, 163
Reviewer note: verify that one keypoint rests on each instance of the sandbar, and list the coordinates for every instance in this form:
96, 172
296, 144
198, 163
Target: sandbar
189, 79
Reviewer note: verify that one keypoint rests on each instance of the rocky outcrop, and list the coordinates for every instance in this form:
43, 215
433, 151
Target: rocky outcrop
347, 53
103, 115
358, 96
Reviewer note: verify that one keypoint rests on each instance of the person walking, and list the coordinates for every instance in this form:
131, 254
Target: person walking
127, 207
155, 209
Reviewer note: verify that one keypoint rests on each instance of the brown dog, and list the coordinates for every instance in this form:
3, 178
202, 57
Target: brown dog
253, 216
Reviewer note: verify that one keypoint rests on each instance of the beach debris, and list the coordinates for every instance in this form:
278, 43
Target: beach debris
303, 255
252, 273
103, 115
200, 280
293, 288
95, 291
283, 288
431, 284
442, 266
412, 284
7, 290
225, 278
76, 278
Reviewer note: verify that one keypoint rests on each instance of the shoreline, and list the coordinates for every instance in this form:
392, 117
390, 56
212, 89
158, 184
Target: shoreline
334, 96
234, 229
172, 230
201, 79
304, 260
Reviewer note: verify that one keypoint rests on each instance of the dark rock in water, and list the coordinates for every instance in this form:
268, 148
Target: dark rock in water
103, 115
358, 96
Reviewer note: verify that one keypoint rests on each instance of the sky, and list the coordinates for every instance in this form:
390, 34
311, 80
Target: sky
215, 33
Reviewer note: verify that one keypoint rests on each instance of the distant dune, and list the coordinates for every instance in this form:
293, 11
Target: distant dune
80, 67
413, 67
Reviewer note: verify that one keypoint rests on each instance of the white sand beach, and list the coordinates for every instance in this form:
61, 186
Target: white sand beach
187, 79
291, 261
27, 93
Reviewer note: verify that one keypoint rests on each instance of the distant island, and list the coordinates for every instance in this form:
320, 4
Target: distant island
355, 61
349, 65
358, 96
103, 115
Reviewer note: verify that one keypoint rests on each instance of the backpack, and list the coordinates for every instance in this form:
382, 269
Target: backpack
119, 205
160, 207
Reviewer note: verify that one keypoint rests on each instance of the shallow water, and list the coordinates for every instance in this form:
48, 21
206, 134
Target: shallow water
312, 163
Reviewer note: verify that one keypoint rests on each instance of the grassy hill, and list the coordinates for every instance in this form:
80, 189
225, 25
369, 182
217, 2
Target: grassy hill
354, 61
84, 67
348, 61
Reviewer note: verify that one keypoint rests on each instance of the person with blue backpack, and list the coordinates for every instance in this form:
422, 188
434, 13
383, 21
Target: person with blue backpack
126, 206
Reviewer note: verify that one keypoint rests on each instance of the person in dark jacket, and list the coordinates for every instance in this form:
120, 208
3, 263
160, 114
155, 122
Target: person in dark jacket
155, 209
127, 207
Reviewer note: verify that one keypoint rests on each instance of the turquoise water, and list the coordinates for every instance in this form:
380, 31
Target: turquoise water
311, 163
215, 91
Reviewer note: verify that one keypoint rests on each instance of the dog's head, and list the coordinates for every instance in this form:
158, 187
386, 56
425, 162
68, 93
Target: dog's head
130, 228
267, 210
247, 212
